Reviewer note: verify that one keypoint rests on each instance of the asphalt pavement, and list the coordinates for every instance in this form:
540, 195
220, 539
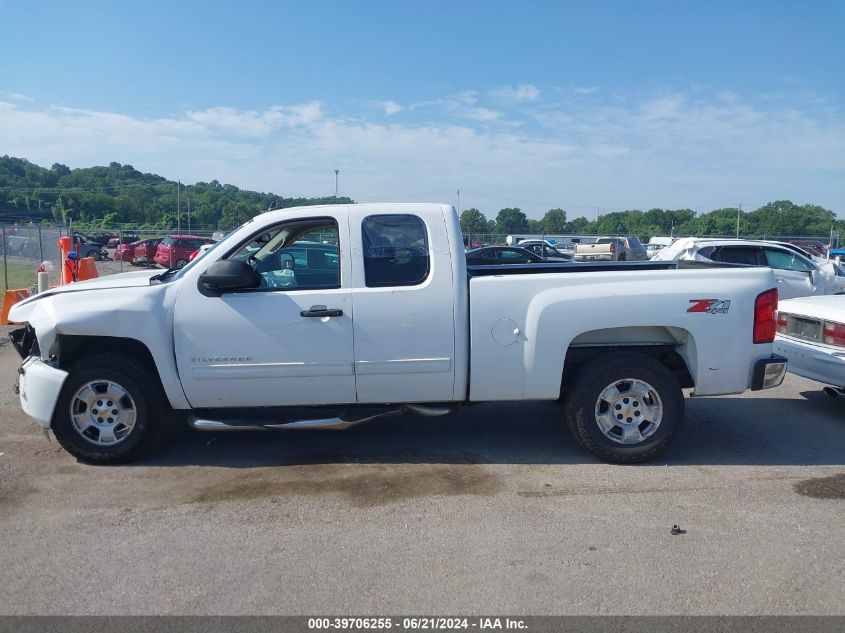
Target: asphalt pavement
495, 509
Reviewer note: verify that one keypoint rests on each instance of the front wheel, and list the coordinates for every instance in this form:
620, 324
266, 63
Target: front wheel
625, 407
181, 263
93, 254
108, 409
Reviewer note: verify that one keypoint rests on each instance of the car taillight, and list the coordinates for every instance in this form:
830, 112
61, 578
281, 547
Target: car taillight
780, 322
834, 333
764, 316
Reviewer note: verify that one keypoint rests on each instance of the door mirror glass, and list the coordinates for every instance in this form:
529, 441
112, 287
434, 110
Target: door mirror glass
230, 274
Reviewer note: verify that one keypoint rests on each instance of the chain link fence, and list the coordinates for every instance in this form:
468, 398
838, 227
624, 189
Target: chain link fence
27, 248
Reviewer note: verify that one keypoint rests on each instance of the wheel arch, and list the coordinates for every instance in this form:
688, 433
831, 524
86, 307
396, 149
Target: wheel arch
71, 348
672, 347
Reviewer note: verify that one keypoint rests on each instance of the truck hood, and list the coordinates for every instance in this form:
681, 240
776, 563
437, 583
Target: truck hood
121, 280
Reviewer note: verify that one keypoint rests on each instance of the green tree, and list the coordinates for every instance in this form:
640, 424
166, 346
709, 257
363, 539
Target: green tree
473, 222
511, 220
612, 224
579, 225
554, 222
535, 226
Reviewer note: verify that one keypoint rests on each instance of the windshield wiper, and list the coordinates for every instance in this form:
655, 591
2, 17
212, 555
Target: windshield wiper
163, 277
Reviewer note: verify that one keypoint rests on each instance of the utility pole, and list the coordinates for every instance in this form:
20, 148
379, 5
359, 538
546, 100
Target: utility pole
738, 211
178, 208
336, 172
189, 212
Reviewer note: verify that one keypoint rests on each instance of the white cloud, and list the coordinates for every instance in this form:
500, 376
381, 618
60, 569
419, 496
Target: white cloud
390, 107
667, 150
257, 123
585, 90
15, 96
522, 92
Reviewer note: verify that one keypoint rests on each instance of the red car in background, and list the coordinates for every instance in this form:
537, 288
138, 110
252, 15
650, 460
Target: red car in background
145, 251
125, 252
174, 251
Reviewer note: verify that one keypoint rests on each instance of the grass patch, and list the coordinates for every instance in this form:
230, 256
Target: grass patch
21, 275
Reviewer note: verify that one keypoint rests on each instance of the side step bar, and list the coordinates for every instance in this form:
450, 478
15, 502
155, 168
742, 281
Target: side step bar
333, 424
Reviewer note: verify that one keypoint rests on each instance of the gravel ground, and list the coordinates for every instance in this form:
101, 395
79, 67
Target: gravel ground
495, 509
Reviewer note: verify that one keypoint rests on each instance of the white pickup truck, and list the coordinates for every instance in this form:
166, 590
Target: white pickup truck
325, 317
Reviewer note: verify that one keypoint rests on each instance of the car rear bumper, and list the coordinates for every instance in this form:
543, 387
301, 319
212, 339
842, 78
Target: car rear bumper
816, 362
39, 385
768, 372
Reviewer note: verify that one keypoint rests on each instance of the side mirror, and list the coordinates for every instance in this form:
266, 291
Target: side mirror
230, 274
814, 277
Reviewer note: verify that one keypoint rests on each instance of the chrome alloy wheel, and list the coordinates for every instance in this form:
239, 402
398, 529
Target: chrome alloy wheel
628, 411
103, 412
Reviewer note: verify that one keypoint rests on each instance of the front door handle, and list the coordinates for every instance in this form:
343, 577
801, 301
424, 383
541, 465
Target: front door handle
321, 311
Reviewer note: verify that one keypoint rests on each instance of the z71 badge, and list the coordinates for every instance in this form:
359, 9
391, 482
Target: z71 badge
710, 306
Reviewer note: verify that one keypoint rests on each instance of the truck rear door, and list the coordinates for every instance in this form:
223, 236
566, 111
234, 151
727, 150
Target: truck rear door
403, 299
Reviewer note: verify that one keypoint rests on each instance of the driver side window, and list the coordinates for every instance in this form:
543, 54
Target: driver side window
299, 255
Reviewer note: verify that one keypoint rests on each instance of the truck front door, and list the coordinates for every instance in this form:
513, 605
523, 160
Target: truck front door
288, 342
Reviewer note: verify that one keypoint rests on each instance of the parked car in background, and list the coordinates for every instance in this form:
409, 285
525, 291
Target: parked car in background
814, 247
145, 251
101, 239
174, 251
125, 252
544, 249
811, 334
491, 255
88, 248
797, 274
611, 249
127, 237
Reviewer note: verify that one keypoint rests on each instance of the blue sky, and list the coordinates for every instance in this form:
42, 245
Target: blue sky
585, 105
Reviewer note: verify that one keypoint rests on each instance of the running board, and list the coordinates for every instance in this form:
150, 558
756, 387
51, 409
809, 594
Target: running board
329, 424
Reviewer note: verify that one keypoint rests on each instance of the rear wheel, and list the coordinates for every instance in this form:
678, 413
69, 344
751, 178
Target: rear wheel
625, 407
108, 409
93, 253
181, 263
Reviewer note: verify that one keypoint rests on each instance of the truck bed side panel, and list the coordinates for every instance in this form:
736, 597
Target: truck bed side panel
523, 325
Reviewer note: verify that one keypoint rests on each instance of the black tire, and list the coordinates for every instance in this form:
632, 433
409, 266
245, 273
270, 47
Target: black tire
582, 396
181, 263
147, 405
93, 253
622, 257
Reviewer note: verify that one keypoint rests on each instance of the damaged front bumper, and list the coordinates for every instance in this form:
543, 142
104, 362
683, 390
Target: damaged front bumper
39, 385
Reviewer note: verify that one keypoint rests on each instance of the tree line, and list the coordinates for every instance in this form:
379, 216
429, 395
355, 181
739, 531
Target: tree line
105, 197
778, 218
118, 194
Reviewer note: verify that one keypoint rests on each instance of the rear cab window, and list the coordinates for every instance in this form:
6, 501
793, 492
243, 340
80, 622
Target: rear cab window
396, 251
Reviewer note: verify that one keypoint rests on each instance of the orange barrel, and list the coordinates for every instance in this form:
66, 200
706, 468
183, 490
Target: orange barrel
65, 246
87, 269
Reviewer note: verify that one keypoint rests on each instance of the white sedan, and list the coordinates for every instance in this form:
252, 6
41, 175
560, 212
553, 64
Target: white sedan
811, 334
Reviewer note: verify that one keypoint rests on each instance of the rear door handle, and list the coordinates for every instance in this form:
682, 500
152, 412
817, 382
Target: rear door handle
320, 311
